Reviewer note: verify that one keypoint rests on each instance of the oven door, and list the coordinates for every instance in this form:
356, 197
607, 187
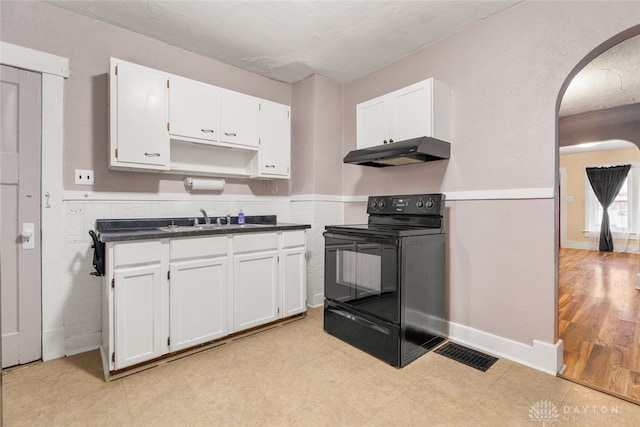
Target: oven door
362, 273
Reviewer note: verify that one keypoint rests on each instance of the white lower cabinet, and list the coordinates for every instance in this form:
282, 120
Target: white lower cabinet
198, 291
164, 296
138, 315
136, 287
255, 280
294, 273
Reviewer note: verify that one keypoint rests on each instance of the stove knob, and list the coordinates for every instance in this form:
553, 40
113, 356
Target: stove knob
381, 204
420, 204
430, 203
374, 204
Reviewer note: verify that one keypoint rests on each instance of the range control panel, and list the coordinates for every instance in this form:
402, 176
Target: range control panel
414, 204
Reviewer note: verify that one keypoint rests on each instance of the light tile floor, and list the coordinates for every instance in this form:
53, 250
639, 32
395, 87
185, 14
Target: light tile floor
297, 375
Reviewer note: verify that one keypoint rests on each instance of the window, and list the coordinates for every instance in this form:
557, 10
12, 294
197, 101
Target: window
623, 212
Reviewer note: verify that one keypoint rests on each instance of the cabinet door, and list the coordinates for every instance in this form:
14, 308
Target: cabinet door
294, 281
139, 102
411, 115
275, 140
137, 314
238, 118
194, 109
198, 301
254, 289
372, 123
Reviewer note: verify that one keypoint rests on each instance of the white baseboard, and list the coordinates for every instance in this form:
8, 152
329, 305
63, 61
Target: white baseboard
52, 344
316, 300
574, 244
542, 356
77, 345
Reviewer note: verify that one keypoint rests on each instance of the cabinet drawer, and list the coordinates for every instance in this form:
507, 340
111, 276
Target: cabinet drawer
293, 238
137, 253
198, 247
251, 242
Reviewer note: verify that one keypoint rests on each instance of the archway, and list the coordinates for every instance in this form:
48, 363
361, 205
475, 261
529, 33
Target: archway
598, 319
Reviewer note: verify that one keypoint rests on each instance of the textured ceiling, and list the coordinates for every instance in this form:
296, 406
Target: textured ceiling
290, 40
342, 40
610, 80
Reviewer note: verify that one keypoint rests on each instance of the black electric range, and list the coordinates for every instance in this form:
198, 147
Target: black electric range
385, 280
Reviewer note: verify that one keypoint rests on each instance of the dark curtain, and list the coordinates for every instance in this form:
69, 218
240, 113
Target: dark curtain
606, 183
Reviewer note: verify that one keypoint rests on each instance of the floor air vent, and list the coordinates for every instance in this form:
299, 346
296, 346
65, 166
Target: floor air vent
469, 357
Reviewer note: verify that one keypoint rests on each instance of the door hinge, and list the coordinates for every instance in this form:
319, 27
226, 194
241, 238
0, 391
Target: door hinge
113, 356
116, 152
168, 341
113, 283
116, 70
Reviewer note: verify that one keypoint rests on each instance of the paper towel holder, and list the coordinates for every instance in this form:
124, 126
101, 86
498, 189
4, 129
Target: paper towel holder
195, 184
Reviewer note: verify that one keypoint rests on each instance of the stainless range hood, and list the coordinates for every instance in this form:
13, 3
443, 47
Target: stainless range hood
417, 150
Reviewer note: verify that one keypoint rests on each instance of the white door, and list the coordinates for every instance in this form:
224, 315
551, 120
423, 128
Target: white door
20, 126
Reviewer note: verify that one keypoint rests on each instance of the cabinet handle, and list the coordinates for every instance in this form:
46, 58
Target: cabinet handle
269, 166
230, 134
207, 130
152, 154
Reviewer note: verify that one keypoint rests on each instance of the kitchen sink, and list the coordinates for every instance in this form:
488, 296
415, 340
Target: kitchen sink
180, 228
177, 228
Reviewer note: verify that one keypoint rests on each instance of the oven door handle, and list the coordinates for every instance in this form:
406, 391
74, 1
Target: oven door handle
360, 320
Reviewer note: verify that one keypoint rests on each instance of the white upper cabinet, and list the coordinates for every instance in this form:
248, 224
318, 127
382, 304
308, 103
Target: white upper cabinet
173, 124
239, 116
372, 118
421, 109
138, 130
274, 158
194, 110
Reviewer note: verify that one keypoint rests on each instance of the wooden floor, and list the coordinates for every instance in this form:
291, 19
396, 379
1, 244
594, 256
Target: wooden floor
599, 320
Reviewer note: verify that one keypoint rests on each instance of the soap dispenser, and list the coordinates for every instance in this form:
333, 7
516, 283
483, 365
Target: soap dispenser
241, 217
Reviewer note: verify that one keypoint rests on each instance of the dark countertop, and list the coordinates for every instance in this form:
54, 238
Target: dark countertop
119, 230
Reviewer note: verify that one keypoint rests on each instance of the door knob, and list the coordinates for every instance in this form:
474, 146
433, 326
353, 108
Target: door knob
27, 235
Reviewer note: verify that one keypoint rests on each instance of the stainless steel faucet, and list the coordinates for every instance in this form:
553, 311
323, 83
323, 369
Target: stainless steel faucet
206, 218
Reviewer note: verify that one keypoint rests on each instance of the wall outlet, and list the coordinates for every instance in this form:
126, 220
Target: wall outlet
84, 177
